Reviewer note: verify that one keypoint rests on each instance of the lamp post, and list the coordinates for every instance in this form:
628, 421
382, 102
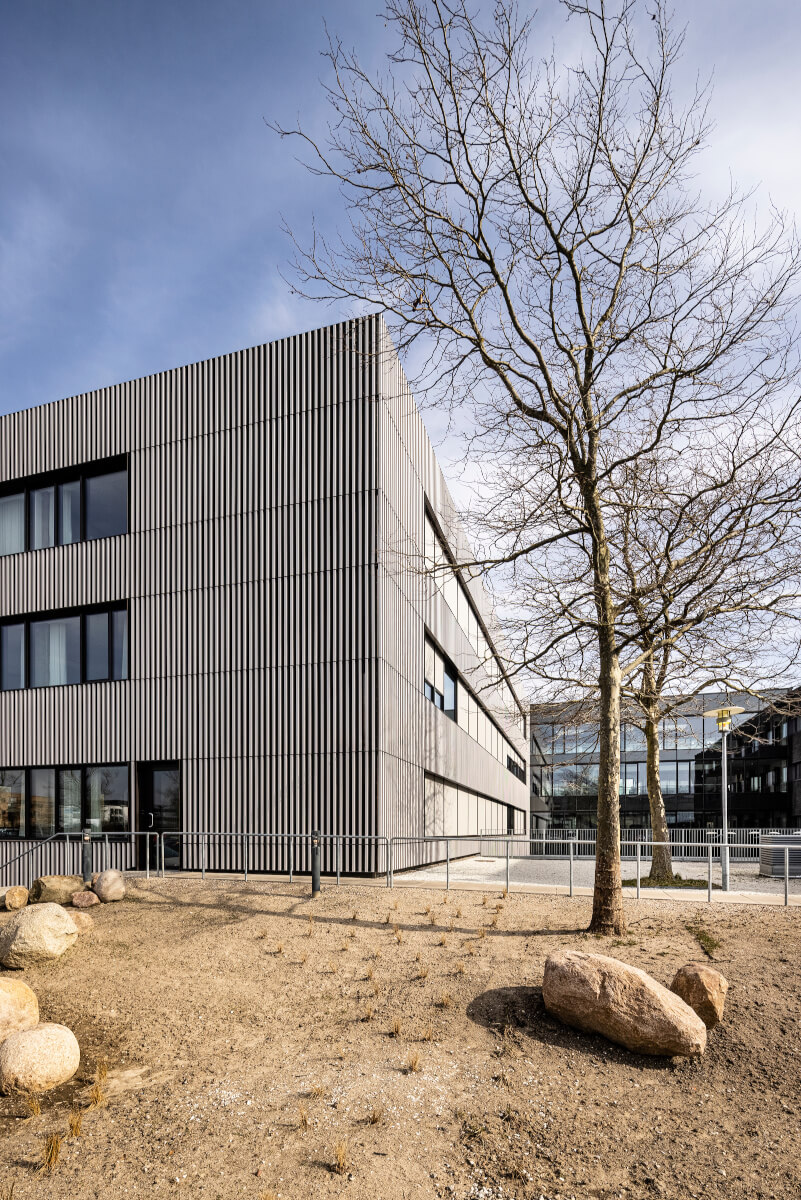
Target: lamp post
723, 717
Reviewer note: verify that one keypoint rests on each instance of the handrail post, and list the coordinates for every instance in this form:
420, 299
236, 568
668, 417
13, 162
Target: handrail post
105, 860
291, 856
147, 856
447, 864
639, 853
203, 856
339, 855
162, 852
786, 876
247, 848
571, 866
709, 877
386, 843
507, 865
390, 864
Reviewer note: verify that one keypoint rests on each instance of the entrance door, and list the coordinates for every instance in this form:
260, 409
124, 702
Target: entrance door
160, 811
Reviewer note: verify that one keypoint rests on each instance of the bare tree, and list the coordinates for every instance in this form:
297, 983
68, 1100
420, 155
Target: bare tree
536, 225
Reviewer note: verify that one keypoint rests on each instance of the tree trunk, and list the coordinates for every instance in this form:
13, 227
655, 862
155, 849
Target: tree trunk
661, 863
607, 901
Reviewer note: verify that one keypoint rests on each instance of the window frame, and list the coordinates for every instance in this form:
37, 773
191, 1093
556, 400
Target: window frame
83, 612
82, 769
79, 473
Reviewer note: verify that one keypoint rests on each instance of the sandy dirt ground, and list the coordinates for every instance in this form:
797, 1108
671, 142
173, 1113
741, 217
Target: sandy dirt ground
247, 1047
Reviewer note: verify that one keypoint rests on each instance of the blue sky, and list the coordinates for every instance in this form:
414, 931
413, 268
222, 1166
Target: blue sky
141, 192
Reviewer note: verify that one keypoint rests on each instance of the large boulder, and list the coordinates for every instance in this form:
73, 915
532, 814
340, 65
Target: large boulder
39, 1059
36, 934
12, 898
55, 889
19, 1008
704, 989
84, 900
603, 995
109, 885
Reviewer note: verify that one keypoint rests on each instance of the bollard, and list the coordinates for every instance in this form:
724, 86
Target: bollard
507, 866
315, 863
86, 855
571, 867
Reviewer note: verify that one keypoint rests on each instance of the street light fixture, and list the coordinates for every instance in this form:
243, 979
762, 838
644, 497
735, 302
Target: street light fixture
723, 717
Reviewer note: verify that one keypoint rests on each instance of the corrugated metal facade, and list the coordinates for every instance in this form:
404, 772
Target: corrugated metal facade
276, 606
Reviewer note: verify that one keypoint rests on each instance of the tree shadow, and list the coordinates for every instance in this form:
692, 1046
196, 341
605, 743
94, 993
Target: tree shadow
522, 1010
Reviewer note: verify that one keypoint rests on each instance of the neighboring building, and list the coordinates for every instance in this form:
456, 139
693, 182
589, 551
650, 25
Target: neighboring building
764, 768
213, 615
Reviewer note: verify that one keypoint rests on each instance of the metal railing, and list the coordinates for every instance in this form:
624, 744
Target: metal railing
290, 853
62, 853
686, 845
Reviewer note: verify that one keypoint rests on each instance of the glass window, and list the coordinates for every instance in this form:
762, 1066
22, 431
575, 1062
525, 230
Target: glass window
97, 660
42, 807
43, 518
55, 651
449, 692
107, 799
69, 514
119, 645
12, 657
69, 800
12, 523
12, 804
106, 505
667, 777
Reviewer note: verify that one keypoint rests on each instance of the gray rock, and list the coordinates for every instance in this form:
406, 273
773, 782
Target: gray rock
607, 996
704, 989
109, 885
19, 1008
55, 889
39, 1059
36, 934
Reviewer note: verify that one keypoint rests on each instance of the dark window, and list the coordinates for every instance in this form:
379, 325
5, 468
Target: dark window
12, 523
65, 506
449, 692
55, 650
12, 656
107, 807
42, 803
69, 800
12, 804
64, 648
106, 505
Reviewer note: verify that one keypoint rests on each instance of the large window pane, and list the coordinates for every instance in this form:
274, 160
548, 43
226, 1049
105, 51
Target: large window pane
55, 651
107, 799
97, 628
69, 800
12, 804
119, 645
43, 518
106, 505
449, 692
12, 657
42, 807
69, 517
12, 523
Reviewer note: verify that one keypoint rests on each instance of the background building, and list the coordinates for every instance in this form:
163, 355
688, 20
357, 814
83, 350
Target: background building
215, 614
764, 759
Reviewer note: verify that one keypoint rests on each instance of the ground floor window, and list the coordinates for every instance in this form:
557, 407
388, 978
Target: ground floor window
36, 802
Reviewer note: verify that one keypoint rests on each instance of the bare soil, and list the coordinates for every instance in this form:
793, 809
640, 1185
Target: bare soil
245, 1045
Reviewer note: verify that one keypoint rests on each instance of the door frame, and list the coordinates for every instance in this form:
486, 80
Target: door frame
144, 770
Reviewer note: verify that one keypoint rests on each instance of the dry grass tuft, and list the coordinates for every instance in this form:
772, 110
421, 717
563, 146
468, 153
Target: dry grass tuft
427, 909
302, 959
75, 1121
422, 973
375, 1115
370, 973
445, 898
397, 1026
458, 912
341, 1157
376, 989
51, 1149
395, 906
471, 950
445, 1000
97, 1097
367, 1012
268, 1194
388, 920
485, 901
317, 1090
310, 930
459, 968
505, 893
399, 936
34, 1106
428, 1033
432, 920
279, 948
344, 946
376, 955
332, 967
412, 1063
303, 1116
101, 1071
443, 941
482, 933
354, 916
494, 922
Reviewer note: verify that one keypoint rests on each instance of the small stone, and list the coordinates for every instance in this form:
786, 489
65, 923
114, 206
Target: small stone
39, 1059
82, 921
12, 898
704, 989
84, 899
19, 1008
36, 934
604, 995
55, 889
109, 885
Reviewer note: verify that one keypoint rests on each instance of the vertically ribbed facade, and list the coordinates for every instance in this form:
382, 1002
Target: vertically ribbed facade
272, 570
